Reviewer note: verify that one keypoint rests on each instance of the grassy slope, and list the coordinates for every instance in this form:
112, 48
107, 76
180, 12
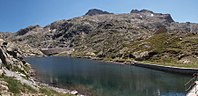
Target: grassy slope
167, 49
16, 88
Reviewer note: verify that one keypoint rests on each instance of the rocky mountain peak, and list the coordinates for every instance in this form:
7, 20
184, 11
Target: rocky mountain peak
141, 11
26, 30
144, 13
92, 12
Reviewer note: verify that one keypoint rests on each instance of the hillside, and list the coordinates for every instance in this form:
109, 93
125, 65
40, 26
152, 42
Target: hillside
16, 75
141, 35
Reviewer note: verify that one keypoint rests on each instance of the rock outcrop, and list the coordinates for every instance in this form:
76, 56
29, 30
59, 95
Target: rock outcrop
28, 29
13, 66
92, 12
150, 14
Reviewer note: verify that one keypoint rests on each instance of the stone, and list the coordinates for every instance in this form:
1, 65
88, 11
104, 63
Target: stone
1, 72
7, 94
3, 87
80, 95
74, 92
3, 82
1, 41
141, 55
1, 64
90, 54
185, 61
2, 56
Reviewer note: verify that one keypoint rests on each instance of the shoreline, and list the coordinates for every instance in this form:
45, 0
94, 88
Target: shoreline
54, 88
170, 69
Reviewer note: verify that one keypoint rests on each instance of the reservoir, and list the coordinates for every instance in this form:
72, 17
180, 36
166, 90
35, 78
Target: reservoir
97, 78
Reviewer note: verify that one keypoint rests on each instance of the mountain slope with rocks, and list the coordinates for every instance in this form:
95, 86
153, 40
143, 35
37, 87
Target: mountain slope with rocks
141, 35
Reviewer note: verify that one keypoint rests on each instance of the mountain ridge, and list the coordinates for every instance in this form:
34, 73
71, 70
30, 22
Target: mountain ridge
139, 35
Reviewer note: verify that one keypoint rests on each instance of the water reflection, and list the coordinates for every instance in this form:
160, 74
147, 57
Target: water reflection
107, 79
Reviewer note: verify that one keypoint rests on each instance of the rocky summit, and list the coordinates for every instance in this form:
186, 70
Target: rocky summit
141, 35
92, 12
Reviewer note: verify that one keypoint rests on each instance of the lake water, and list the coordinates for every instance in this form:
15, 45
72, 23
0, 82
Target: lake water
107, 79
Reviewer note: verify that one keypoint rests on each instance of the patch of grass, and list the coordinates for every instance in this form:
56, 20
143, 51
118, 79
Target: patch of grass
157, 43
78, 54
174, 64
16, 87
108, 59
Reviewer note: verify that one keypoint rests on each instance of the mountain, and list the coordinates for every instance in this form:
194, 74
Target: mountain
92, 12
140, 35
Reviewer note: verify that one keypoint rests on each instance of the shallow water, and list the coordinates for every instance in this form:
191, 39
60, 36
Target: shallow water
107, 79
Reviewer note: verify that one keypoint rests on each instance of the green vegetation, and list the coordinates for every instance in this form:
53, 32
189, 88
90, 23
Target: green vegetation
163, 48
17, 88
174, 64
170, 49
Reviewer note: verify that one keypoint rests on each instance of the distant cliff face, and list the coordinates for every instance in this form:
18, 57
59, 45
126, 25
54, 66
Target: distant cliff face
139, 35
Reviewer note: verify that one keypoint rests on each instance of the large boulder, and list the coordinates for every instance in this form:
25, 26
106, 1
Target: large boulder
1, 72
145, 55
3, 56
141, 55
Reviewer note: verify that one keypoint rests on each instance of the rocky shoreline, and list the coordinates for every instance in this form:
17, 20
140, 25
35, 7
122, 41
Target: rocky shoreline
17, 76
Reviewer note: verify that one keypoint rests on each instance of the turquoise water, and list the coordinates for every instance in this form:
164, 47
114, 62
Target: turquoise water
107, 79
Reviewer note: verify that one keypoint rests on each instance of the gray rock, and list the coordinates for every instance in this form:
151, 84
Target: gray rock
3, 87
17, 76
74, 92
2, 56
1, 72
141, 55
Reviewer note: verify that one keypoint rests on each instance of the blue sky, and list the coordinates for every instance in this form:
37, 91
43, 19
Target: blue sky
17, 14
